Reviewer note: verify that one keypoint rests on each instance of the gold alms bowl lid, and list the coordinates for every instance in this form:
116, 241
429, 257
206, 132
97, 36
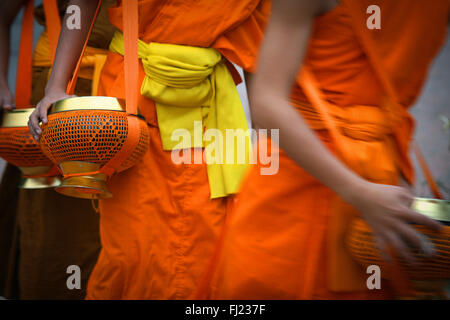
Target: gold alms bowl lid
87, 103
433, 208
16, 118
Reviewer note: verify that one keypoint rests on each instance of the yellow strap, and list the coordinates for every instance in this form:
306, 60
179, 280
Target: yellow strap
193, 85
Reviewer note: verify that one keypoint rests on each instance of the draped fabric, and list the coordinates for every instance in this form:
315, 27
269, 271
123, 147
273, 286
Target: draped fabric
44, 232
159, 230
195, 92
285, 236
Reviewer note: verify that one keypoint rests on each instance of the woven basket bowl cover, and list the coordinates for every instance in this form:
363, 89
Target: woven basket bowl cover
91, 136
18, 147
361, 244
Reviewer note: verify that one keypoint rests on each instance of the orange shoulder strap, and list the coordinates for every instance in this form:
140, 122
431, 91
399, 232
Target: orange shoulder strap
401, 284
355, 10
25, 60
130, 20
314, 94
53, 24
130, 31
426, 171
131, 65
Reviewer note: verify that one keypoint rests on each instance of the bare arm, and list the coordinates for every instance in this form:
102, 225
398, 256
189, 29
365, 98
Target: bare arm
8, 11
69, 49
385, 208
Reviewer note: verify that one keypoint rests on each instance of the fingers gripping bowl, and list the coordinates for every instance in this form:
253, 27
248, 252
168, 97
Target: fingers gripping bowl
84, 135
18, 147
361, 244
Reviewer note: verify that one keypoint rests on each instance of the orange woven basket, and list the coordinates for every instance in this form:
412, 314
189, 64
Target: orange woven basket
16, 143
83, 134
361, 244
91, 138
18, 147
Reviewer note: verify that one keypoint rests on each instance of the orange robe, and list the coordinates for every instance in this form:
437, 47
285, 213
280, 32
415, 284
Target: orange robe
285, 237
43, 232
159, 230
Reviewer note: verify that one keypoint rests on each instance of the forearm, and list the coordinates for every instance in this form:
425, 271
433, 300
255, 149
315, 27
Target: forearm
286, 43
385, 208
302, 145
70, 45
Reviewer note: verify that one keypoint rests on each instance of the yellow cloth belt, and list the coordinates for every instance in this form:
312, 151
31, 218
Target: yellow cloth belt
91, 65
193, 85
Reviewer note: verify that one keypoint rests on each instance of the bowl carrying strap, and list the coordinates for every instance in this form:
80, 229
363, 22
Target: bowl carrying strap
389, 89
131, 68
130, 19
53, 24
25, 59
400, 282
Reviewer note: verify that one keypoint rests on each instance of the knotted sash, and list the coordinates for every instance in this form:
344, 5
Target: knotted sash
192, 85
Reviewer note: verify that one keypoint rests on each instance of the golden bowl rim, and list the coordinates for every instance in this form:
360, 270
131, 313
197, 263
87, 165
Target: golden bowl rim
16, 118
437, 209
86, 103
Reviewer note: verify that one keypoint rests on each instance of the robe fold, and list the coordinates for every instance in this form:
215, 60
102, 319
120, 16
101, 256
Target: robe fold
159, 230
44, 232
285, 237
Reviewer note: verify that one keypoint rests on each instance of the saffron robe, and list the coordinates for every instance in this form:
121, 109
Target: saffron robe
44, 231
159, 229
285, 238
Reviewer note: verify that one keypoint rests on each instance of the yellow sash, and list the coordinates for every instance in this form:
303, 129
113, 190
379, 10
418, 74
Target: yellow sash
193, 85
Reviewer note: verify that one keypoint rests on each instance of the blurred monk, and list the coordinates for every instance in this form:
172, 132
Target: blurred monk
285, 237
159, 230
44, 232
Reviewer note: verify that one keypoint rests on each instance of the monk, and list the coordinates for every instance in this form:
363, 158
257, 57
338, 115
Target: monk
159, 230
285, 237
43, 232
